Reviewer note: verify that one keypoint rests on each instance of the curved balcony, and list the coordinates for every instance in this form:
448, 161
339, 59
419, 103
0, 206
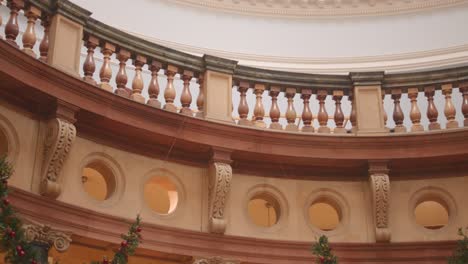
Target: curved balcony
292, 139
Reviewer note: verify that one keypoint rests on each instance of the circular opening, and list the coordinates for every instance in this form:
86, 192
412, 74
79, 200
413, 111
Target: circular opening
3, 144
431, 214
324, 215
161, 195
98, 181
264, 210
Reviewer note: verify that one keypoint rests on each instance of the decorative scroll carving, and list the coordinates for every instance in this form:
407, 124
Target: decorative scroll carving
380, 191
59, 139
44, 234
214, 260
219, 186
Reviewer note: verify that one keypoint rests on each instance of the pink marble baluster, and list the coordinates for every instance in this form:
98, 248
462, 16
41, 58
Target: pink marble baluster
170, 91
322, 114
153, 87
12, 27
339, 116
121, 78
243, 108
274, 109
29, 36
398, 115
464, 92
352, 115
186, 96
201, 97
105, 74
415, 113
89, 65
306, 113
137, 83
44, 46
291, 111
259, 110
449, 109
432, 112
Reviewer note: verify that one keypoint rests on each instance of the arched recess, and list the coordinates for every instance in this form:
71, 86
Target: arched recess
9, 140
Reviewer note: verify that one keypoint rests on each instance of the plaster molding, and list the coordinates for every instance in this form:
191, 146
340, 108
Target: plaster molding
44, 234
394, 63
309, 9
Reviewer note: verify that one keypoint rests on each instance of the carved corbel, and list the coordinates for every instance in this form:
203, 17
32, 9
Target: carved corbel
45, 235
220, 175
60, 135
214, 260
380, 192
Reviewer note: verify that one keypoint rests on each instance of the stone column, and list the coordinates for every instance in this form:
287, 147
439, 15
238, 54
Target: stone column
217, 88
368, 102
214, 260
66, 37
43, 237
219, 187
380, 196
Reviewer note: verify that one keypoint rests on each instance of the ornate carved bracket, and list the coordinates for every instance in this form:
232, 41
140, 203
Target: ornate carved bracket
59, 139
44, 234
380, 191
220, 175
214, 260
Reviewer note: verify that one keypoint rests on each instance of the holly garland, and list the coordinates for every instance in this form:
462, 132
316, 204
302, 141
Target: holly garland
12, 236
460, 256
130, 243
322, 251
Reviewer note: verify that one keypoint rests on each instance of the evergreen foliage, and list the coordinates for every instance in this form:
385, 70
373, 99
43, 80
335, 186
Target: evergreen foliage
460, 256
323, 252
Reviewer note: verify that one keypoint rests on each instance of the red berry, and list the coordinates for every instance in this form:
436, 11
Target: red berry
19, 248
12, 234
6, 201
5, 182
139, 229
124, 243
21, 253
33, 262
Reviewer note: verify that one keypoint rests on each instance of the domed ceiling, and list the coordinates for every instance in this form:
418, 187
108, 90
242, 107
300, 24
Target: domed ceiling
320, 8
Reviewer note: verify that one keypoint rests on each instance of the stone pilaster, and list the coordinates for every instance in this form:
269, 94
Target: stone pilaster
380, 196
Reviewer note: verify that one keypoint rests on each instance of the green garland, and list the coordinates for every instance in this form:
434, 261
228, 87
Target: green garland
130, 243
460, 256
322, 251
13, 241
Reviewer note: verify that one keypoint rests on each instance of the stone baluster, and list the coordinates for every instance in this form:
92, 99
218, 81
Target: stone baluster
415, 114
352, 114
449, 109
29, 36
322, 113
464, 92
290, 111
137, 83
153, 87
385, 115
398, 116
201, 97
259, 110
106, 71
12, 27
306, 113
274, 109
44, 45
89, 65
243, 108
339, 116
121, 78
170, 91
432, 112
186, 96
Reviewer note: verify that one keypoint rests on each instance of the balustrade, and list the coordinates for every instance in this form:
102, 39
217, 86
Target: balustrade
309, 114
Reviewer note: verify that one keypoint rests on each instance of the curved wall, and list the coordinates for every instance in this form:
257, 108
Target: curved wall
332, 45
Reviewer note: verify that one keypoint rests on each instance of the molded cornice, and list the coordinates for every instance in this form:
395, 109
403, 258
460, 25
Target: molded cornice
320, 8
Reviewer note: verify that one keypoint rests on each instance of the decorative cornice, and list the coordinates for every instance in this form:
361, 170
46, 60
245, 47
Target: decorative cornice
70, 11
306, 9
44, 234
219, 64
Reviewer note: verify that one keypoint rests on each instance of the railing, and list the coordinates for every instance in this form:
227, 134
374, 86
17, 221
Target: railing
171, 80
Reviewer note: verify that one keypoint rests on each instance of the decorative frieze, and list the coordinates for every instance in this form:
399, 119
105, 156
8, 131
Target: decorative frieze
380, 194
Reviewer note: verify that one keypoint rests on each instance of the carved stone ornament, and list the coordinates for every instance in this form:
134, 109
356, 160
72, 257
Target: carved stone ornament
59, 139
380, 191
44, 234
220, 175
214, 260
